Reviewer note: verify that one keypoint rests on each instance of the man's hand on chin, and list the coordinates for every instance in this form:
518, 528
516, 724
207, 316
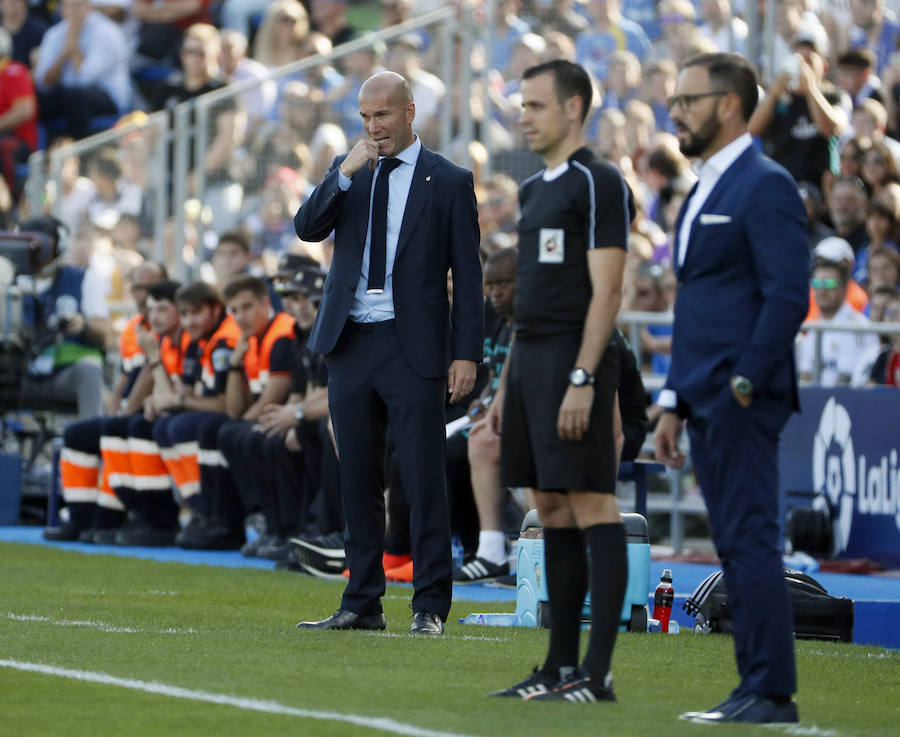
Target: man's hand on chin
460, 380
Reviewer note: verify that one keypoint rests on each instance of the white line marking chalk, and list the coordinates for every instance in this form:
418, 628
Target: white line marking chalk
267, 707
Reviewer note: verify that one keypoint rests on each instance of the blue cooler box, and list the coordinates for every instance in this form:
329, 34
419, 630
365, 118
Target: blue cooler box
531, 585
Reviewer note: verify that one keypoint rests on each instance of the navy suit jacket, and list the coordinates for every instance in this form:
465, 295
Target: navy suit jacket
439, 232
743, 289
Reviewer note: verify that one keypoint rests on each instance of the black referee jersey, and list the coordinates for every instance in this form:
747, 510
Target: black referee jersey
582, 204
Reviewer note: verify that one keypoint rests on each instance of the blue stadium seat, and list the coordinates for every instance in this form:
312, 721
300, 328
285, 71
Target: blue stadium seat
637, 471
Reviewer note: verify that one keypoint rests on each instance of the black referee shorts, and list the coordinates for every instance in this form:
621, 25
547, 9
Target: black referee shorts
532, 453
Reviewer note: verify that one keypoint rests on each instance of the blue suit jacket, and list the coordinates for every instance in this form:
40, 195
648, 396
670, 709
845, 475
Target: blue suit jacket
439, 232
743, 289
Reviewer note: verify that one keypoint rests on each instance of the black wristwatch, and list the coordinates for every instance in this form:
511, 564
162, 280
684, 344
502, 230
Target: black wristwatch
580, 377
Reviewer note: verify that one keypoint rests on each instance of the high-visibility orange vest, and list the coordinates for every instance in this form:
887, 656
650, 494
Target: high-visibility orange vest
228, 334
129, 348
172, 353
257, 365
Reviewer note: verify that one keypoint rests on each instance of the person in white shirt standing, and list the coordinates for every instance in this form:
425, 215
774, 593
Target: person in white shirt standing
840, 350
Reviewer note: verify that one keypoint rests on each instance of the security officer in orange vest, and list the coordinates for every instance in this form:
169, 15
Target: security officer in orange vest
259, 375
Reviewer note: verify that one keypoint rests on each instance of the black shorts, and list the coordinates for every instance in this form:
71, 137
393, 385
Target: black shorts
532, 453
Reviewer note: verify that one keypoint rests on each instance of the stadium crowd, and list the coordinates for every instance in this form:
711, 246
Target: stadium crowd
218, 397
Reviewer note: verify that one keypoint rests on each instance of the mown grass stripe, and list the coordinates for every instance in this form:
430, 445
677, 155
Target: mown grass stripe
268, 707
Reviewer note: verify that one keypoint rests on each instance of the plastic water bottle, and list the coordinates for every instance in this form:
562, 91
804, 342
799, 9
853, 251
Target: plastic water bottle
457, 552
662, 600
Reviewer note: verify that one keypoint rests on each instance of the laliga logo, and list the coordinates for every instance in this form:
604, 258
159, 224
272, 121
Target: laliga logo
833, 463
841, 476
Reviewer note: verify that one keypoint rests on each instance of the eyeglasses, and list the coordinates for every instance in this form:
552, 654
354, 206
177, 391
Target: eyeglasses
686, 101
829, 283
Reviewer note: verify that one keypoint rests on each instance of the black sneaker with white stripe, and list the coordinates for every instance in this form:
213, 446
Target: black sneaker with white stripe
479, 569
322, 556
578, 687
536, 683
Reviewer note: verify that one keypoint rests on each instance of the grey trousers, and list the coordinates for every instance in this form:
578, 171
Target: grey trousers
80, 383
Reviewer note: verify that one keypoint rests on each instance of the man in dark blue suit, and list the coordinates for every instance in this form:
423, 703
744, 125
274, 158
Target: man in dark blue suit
402, 217
743, 273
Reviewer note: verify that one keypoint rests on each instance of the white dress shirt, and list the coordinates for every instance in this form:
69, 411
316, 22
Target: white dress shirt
380, 307
708, 174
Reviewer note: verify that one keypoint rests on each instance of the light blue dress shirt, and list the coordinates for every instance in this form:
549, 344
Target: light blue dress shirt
380, 307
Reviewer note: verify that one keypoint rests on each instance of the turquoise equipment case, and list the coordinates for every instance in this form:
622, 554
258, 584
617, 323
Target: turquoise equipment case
531, 585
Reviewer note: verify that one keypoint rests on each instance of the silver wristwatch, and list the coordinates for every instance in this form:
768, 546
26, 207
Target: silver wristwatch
299, 413
580, 377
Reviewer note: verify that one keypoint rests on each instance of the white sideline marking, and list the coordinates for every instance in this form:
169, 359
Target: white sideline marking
411, 636
796, 729
97, 625
268, 707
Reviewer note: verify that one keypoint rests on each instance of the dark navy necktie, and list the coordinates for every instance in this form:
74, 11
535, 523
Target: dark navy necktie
378, 241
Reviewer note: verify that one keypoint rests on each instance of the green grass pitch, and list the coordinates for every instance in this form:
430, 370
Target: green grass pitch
231, 632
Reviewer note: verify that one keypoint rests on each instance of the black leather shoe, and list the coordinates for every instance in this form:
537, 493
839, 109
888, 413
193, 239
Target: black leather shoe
346, 620
427, 623
66, 532
750, 709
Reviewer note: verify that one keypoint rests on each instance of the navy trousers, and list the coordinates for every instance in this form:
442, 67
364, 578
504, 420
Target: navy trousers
735, 456
371, 387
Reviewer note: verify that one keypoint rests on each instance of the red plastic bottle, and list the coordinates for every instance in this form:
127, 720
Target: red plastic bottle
662, 600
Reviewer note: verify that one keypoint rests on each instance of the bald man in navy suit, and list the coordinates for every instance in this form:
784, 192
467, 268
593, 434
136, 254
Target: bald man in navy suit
403, 217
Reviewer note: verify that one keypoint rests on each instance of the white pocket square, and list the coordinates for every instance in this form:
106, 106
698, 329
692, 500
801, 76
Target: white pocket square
710, 219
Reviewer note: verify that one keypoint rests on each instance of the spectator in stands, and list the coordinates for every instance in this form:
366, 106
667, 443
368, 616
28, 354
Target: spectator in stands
199, 58
163, 25
878, 167
82, 69
874, 27
722, 26
884, 268
231, 256
242, 15
26, 29
667, 168
236, 66
405, 58
847, 208
678, 19
870, 121
330, 17
881, 225
112, 196
610, 31
882, 310
801, 118
281, 143
498, 210
815, 213
639, 126
840, 351
356, 68
836, 250
624, 80
560, 16
612, 142
284, 23
322, 77
661, 77
851, 156
886, 366
508, 29
647, 296
68, 306
18, 115
856, 75
327, 142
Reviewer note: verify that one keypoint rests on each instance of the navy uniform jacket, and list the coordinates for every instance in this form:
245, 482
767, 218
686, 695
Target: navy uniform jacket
439, 232
743, 289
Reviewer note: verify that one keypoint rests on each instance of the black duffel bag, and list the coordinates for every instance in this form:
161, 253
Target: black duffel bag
817, 614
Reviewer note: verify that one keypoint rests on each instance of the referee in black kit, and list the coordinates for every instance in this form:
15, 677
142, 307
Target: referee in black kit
559, 400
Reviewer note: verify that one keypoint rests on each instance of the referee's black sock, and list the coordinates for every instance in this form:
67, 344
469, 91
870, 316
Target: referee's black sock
609, 577
565, 563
